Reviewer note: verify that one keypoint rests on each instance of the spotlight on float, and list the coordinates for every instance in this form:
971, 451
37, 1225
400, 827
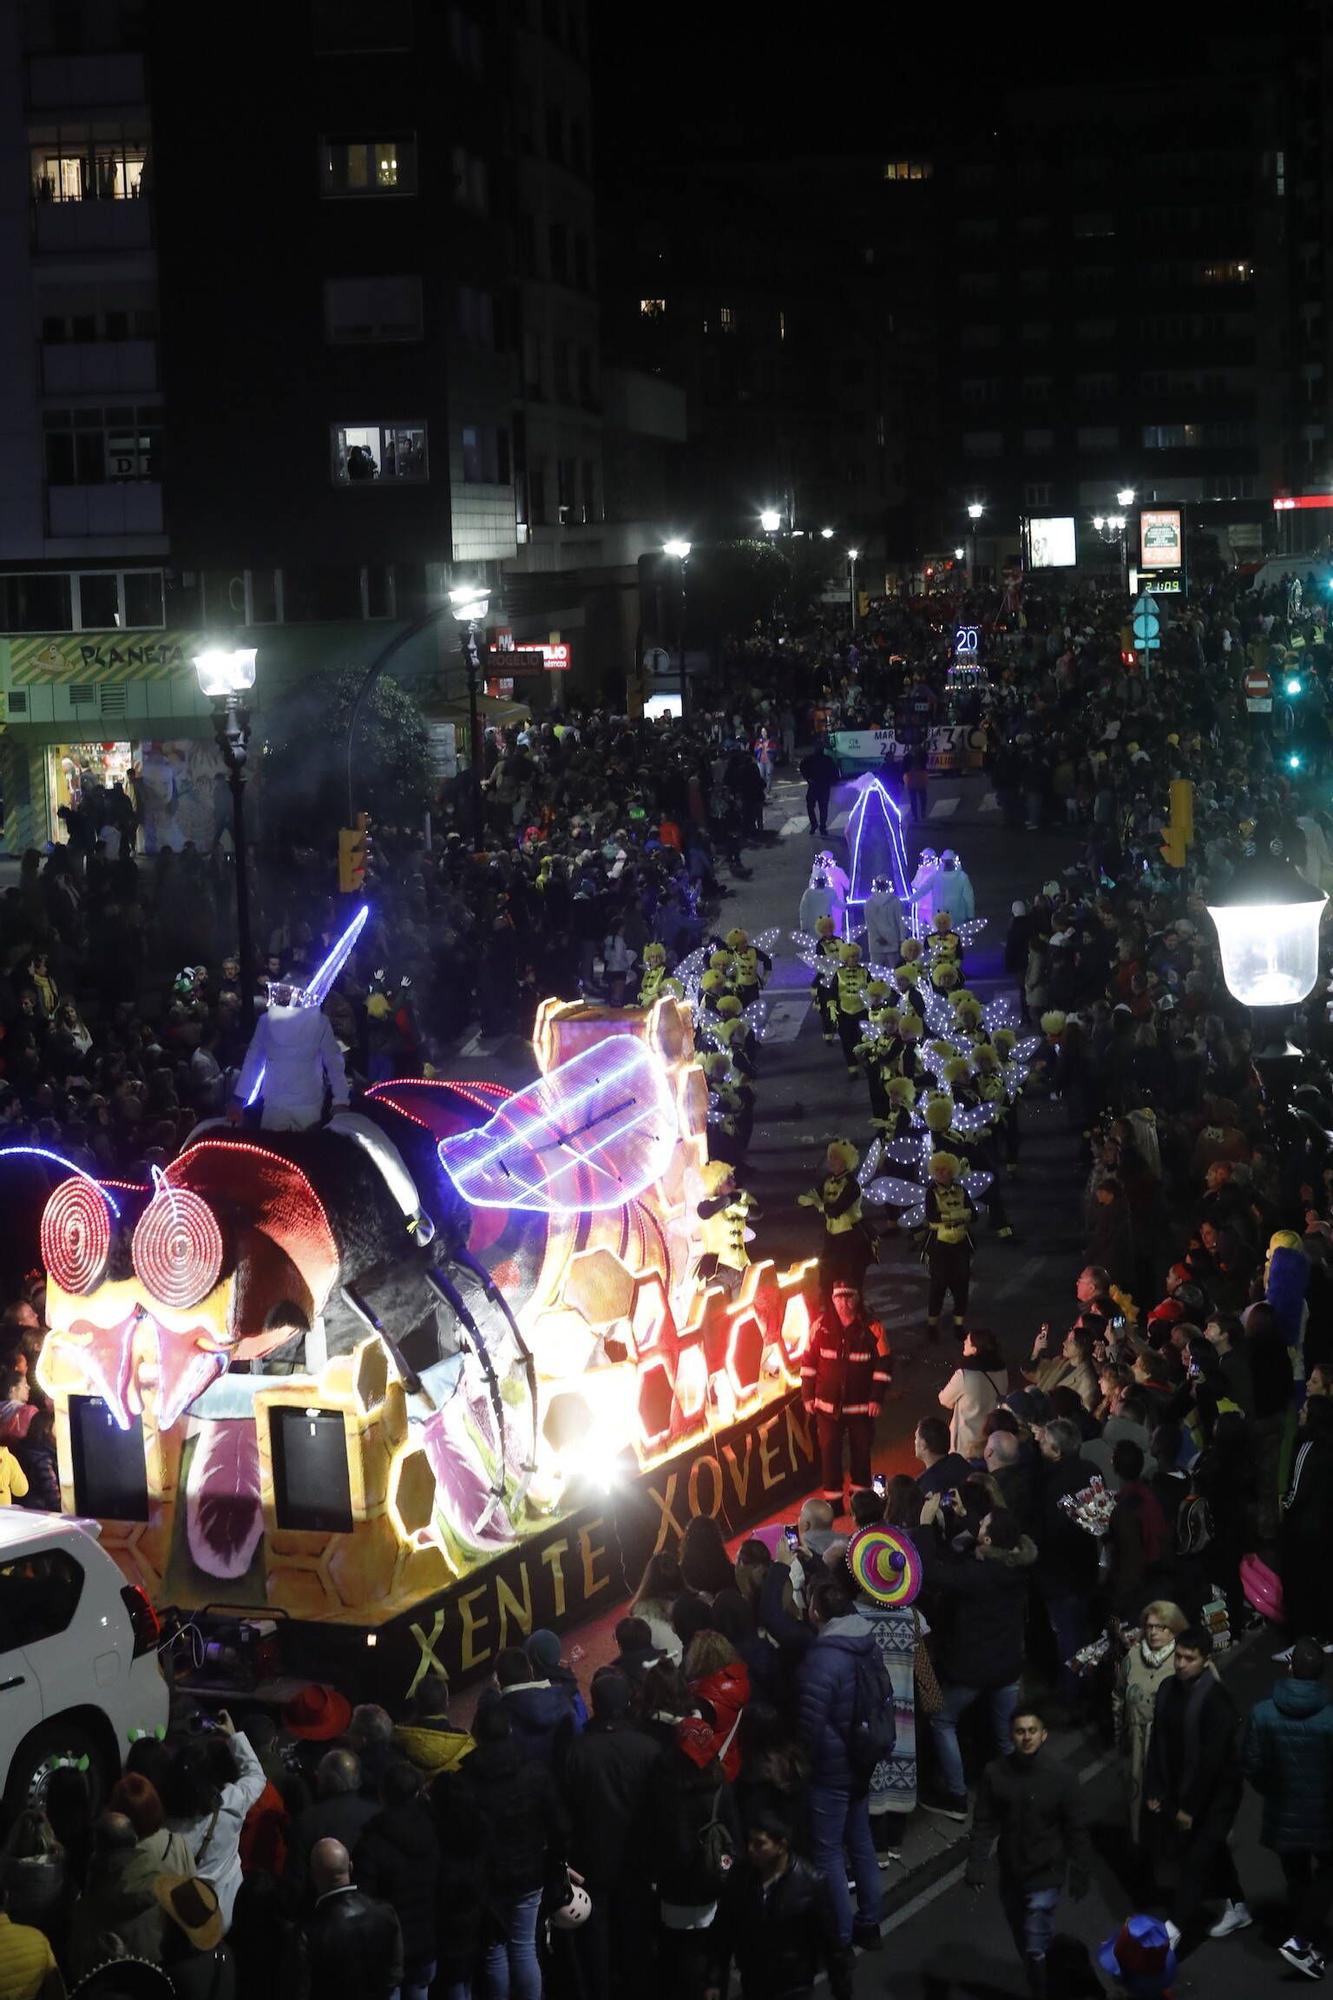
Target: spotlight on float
1268, 932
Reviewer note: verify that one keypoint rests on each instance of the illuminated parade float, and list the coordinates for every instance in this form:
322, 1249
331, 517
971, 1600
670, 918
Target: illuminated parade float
423, 1378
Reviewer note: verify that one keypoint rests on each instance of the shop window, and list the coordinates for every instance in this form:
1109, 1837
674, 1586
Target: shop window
143, 597
99, 600
383, 454
92, 447
89, 163
364, 168
364, 309
36, 601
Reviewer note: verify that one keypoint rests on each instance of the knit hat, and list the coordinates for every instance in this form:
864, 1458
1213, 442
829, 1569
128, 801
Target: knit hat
543, 1649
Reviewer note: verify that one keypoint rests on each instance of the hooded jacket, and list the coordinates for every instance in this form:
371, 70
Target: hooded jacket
541, 1719
685, 1791
826, 1699
1288, 1757
726, 1693
987, 1594
514, 1801
606, 1787
398, 1860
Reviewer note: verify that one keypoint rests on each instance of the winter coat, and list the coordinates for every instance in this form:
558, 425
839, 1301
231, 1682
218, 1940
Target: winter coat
215, 1842
397, 1859
846, 1370
606, 1788
1139, 1545
350, 1949
1209, 1791
1132, 1702
726, 1693
541, 1720
515, 1801
432, 1745
986, 1596
971, 1393
1020, 1487
1288, 1757
1068, 1553
38, 1464
780, 1938
826, 1699
297, 1052
345, 1817
686, 1790
1035, 1807
13, 1479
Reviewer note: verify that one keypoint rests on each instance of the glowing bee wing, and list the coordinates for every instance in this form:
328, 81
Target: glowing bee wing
891, 1191
592, 1135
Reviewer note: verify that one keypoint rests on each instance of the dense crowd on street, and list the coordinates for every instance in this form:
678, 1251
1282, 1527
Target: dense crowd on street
1096, 1520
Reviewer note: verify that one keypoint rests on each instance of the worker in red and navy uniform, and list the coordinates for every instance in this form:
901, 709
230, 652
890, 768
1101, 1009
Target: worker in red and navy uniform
845, 1377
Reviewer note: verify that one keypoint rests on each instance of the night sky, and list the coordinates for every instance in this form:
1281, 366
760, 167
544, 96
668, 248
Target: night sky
713, 76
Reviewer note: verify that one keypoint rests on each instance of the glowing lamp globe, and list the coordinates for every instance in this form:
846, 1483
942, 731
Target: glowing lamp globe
770, 521
1268, 932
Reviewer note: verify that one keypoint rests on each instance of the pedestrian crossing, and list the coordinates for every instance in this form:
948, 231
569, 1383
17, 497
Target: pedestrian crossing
940, 809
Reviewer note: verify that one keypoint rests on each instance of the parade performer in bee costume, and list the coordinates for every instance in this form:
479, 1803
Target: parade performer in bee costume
722, 1215
655, 982
824, 984
852, 981
750, 967
948, 1248
848, 1245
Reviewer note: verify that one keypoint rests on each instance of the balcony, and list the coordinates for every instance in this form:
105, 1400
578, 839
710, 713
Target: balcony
59, 83
72, 367
129, 507
68, 228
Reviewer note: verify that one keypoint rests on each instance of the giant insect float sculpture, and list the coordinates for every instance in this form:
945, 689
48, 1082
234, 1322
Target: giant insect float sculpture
270, 1392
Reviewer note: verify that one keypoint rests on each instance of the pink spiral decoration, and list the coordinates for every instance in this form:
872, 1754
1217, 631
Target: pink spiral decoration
76, 1235
178, 1251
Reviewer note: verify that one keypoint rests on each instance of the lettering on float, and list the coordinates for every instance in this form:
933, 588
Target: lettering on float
587, 1560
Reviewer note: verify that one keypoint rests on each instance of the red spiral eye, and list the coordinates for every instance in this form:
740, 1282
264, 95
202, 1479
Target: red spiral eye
76, 1235
178, 1248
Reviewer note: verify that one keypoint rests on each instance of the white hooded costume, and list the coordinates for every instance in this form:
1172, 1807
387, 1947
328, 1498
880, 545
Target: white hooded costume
295, 1048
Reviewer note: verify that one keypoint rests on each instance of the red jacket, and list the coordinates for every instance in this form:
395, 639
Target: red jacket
726, 1693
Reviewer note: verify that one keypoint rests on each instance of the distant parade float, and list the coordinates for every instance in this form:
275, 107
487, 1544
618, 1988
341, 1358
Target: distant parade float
434, 1373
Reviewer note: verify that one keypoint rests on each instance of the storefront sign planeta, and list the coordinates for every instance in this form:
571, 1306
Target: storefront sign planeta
111, 656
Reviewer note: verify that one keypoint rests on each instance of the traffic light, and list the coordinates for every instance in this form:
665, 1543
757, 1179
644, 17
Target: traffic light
354, 855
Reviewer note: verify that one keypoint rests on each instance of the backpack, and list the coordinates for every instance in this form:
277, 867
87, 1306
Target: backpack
717, 1847
874, 1731
1194, 1526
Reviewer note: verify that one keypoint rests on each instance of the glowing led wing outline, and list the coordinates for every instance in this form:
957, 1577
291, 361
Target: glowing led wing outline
591, 1135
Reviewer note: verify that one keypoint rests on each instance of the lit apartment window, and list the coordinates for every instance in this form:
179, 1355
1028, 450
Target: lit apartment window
387, 454
908, 170
782, 326
362, 168
88, 163
651, 308
96, 447
362, 309
727, 320
1231, 271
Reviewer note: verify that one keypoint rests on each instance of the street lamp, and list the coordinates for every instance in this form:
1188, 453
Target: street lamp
958, 554
770, 520
680, 552
1125, 497
852, 555
826, 534
975, 510
225, 678
1268, 932
469, 603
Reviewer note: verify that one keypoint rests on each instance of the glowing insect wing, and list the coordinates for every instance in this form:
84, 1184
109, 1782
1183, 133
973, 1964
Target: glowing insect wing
592, 1135
889, 1190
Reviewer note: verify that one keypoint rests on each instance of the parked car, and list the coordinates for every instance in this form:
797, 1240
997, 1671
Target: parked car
79, 1674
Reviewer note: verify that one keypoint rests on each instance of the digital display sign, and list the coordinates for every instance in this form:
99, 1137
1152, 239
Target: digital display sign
1159, 538
1051, 541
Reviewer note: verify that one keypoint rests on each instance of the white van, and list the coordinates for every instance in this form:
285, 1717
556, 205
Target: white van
79, 1676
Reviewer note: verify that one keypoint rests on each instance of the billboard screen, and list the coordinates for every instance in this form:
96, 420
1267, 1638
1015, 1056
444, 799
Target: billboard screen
1051, 540
1159, 538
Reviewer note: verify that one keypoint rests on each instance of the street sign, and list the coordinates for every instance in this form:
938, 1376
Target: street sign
1258, 692
1147, 625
